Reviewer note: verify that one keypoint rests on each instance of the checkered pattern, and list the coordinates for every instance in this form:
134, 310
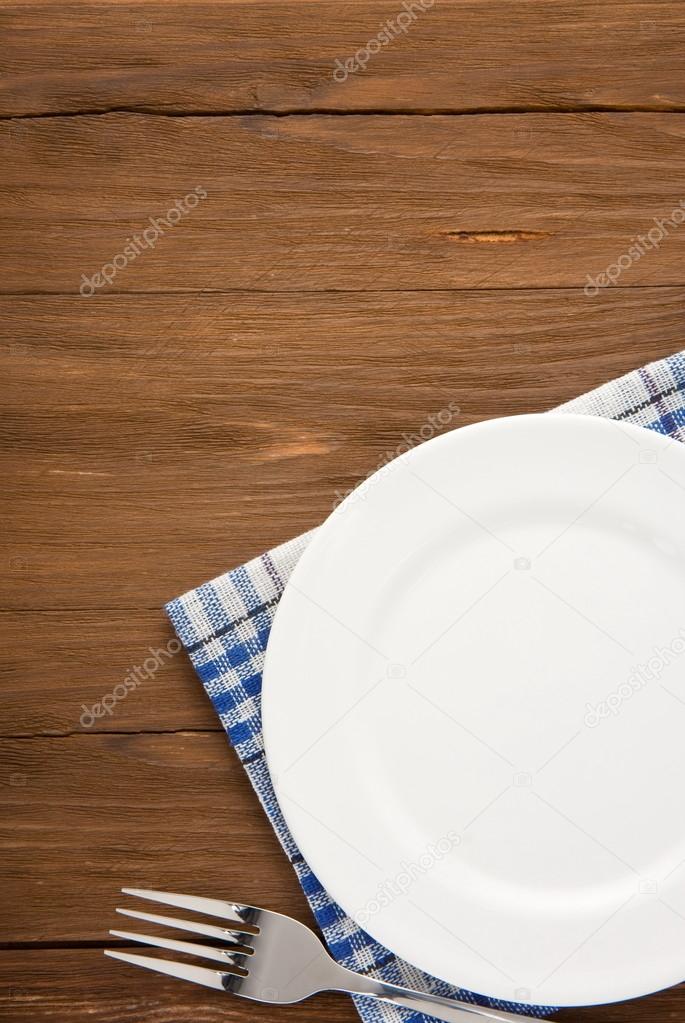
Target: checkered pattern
225, 626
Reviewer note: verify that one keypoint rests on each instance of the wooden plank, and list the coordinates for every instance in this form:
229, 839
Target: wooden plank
308, 203
85, 987
189, 434
83, 816
59, 667
475, 55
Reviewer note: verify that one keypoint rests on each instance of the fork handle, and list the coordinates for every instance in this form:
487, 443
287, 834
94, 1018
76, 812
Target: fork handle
447, 1009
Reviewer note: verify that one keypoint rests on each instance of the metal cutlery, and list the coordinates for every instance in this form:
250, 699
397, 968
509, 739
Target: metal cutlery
268, 957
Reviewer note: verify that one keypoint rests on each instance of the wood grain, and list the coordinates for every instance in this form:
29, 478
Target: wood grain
342, 203
73, 659
474, 55
187, 435
83, 816
83, 986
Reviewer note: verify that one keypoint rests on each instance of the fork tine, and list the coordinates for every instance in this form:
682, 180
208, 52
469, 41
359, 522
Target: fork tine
221, 955
212, 907
183, 971
209, 930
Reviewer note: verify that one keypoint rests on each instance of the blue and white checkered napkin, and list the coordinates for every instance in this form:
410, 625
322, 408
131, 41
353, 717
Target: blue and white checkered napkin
224, 625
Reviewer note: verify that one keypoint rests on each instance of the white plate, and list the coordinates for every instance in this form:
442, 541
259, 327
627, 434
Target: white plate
474, 708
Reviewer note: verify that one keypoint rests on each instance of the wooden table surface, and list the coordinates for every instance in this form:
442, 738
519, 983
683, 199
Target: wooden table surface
365, 247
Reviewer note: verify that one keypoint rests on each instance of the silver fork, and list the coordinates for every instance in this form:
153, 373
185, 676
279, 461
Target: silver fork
272, 958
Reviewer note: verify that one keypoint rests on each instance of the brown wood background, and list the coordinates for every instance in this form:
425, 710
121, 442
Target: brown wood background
367, 252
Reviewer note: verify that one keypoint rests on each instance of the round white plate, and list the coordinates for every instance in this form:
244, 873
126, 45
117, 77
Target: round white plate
474, 708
